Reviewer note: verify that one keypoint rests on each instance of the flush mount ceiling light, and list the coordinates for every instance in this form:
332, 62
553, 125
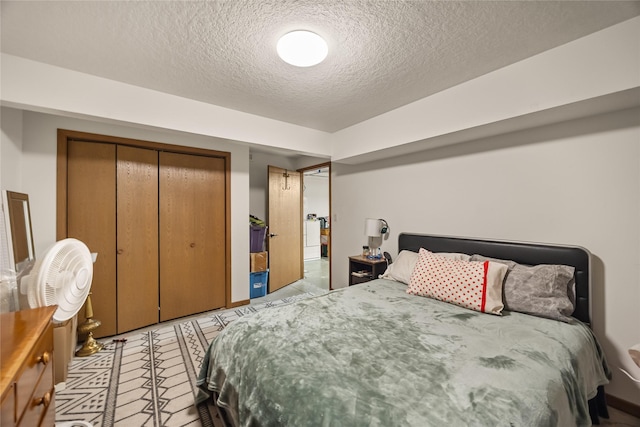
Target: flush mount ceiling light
302, 48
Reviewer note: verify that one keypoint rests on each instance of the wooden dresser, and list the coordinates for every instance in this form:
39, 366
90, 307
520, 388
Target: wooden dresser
26, 375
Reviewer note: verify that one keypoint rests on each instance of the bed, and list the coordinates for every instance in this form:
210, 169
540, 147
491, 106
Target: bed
374, 354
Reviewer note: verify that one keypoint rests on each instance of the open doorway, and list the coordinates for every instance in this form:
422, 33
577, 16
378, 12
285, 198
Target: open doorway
260, 197
316, 226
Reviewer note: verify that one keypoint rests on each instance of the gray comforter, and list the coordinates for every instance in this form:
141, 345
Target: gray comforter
371, 355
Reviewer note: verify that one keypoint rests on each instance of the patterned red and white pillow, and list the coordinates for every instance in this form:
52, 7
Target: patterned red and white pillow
469, 284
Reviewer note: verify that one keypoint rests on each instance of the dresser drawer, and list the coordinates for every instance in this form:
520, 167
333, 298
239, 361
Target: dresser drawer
49, 417
37, 373
8, 407
41, 401
27, 368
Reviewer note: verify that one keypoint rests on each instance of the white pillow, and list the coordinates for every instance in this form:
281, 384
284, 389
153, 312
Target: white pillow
400, 270
454, 255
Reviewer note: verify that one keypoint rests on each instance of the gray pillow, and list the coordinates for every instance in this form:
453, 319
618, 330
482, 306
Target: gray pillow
544, 290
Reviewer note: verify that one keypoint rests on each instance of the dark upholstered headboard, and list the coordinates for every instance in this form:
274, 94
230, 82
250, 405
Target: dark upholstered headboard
522, 253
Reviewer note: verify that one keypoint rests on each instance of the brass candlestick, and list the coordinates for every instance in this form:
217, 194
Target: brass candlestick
90, 346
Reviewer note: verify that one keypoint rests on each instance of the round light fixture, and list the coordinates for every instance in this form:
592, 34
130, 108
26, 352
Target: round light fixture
302, 48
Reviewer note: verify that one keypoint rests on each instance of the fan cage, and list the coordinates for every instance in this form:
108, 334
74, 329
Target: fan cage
63, 278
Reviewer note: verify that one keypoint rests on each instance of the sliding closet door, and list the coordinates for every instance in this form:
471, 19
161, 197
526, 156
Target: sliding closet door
91, 218
137, 236
192, 234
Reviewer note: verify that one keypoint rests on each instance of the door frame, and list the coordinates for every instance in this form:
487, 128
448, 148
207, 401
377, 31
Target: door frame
65, 135
302, 171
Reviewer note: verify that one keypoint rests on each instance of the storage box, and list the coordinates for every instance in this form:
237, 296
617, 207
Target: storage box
259, 261
258, 283
256, 238
64, 342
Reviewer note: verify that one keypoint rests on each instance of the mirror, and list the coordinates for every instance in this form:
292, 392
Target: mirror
21, 236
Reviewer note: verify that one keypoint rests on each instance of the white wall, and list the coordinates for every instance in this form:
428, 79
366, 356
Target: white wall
35, 174
574, 183
315, 196
11, 150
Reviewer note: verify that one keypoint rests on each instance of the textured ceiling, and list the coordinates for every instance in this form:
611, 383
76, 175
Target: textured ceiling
382, 54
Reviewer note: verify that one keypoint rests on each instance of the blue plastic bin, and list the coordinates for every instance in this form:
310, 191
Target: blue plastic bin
258, 283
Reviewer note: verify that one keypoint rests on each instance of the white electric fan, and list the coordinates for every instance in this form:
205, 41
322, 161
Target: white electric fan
62, 277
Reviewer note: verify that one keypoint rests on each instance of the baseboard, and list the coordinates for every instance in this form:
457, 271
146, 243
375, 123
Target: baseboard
623, 405
238, 303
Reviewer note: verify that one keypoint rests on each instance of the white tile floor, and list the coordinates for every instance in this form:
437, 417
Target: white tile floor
316, 281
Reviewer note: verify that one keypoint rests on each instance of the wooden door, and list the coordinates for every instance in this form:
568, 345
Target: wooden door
192, 234
91, 218
137, 237
285, 228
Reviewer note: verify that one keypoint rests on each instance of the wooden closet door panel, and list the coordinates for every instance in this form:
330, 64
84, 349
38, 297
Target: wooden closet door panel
192, 234
137, 238
91, 218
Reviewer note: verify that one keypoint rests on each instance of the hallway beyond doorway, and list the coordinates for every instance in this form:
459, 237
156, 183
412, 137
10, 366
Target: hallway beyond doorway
316, 281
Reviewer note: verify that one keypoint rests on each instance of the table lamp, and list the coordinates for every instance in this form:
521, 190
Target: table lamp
374, 229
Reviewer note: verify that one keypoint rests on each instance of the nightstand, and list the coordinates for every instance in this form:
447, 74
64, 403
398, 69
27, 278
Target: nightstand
363, 269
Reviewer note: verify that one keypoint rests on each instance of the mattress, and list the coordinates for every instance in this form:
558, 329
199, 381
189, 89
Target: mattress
373, 355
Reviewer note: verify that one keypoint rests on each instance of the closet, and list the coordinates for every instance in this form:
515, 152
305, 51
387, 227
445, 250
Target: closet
157, 215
